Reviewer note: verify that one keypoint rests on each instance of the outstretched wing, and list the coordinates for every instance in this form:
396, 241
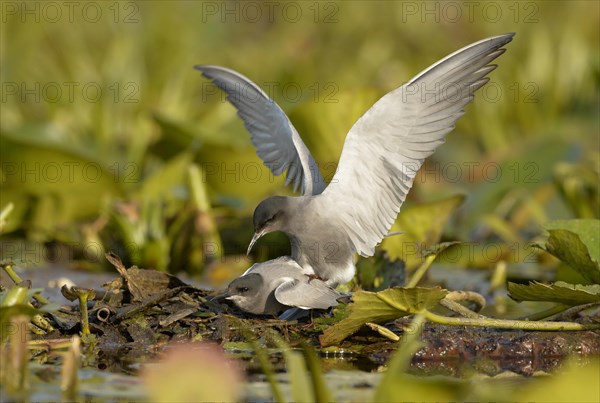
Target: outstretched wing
277, 142
307, 295
386, 147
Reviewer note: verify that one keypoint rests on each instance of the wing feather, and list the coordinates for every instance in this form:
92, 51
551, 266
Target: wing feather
386, 147
276, 140
302, 294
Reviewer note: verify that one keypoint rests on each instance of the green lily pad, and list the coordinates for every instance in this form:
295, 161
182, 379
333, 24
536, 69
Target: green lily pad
382, 307
560, 292
577, 244
162, 182
522, 170
587, 229
422, 227
325, 137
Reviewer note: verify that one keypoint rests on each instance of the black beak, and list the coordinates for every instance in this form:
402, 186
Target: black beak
255, 238
218, 297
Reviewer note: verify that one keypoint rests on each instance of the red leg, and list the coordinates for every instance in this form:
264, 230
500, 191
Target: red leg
312, 277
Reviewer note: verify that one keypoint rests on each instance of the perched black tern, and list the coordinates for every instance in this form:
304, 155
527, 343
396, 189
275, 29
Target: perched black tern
271, 287
382, 153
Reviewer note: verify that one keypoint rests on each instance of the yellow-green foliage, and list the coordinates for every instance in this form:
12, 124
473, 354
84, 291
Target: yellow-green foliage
101, 98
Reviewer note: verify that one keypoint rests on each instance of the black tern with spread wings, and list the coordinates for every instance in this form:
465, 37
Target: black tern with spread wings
382, 153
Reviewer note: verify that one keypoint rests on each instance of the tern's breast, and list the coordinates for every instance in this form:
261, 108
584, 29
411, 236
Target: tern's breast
319, 245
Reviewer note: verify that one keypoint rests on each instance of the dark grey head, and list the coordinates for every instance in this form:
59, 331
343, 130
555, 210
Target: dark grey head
269, 216
251, 294
245, 292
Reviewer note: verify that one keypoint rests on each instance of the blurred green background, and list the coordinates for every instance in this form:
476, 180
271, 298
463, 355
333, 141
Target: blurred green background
111, 141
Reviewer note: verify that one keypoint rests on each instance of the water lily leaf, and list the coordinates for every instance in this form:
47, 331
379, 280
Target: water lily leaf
381, 307
579, 185
50, 185
510, 172
238, 174
51, 137
587, 229
560, 292
576, 243
422, 227
175, 138
567, 246
165, 179
325, 137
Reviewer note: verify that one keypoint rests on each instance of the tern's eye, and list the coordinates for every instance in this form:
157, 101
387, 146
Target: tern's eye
272, 218
243, 289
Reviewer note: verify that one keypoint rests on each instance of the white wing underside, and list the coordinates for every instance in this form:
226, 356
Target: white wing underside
277, 142
386, 147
